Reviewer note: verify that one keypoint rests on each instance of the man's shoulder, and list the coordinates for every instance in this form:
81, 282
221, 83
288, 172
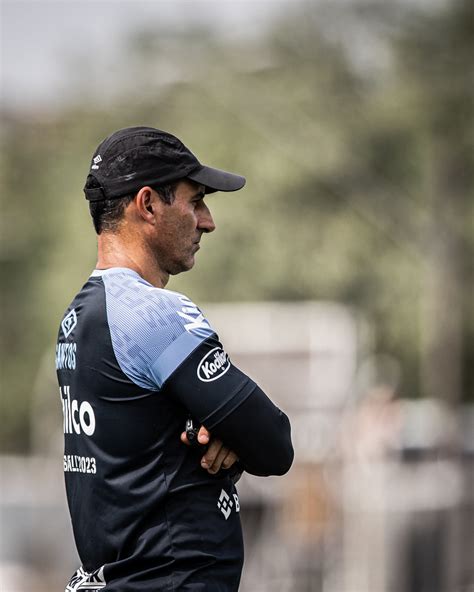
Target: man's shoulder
128, 285
153, 330
131, 299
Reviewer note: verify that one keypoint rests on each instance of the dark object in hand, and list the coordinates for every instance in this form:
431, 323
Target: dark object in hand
191, 432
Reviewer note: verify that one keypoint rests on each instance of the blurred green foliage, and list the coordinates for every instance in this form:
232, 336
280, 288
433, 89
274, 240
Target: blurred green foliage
360, 186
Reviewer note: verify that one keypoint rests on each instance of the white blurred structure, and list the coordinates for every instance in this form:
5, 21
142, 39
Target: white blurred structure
304, 355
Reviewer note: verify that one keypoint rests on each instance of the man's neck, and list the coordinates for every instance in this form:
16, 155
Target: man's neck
112, 251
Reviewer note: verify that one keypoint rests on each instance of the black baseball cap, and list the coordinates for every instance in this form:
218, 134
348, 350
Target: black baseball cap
134, 157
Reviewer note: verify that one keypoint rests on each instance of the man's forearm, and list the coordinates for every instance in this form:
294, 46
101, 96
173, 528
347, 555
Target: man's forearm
260, 435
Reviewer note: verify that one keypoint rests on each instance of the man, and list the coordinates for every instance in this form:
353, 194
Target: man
135, 362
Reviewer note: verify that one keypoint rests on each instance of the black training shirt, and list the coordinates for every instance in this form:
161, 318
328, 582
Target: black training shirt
133, 361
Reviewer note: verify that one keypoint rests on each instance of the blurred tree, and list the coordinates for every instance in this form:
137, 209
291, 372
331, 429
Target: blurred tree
415, 170
407, 175
435, 54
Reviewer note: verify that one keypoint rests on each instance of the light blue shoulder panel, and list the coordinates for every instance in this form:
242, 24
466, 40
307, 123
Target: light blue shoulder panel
152, 330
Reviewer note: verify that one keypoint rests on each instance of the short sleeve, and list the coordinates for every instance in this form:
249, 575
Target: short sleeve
152, 330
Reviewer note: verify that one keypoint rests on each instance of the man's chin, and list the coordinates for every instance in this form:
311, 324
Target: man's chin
182, 266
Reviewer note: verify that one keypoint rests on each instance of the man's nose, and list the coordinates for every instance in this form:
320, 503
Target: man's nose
206, 222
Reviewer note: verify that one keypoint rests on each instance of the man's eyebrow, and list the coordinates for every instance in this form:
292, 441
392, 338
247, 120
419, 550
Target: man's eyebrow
201, 194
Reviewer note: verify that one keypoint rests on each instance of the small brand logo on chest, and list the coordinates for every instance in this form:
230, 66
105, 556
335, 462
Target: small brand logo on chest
68, 323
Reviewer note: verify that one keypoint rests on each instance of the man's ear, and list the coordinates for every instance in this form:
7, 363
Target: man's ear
146, 202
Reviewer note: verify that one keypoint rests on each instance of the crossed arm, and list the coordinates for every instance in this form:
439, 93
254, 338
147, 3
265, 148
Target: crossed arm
256, 433
244, 423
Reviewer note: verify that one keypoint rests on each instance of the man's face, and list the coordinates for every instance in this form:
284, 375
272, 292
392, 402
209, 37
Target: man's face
179, 228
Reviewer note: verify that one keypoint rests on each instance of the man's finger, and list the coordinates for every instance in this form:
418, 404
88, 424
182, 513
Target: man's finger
203, 436
216, 465
229, 460
211, 453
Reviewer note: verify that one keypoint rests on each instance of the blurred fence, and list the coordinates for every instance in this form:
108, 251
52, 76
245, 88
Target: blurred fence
380, 498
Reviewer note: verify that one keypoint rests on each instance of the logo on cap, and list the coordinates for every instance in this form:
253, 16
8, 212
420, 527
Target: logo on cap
96, 161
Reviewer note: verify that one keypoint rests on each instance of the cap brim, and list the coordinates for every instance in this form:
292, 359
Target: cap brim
216, 180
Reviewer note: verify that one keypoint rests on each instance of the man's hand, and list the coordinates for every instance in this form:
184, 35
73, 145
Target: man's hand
217, 456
